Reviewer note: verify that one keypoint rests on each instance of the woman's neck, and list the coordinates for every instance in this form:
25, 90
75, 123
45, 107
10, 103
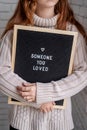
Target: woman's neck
45, 12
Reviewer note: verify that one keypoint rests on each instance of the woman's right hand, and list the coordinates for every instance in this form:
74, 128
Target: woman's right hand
27, 91
47, 107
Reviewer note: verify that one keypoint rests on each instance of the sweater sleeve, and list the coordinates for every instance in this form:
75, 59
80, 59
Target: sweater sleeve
70, 85
8, 79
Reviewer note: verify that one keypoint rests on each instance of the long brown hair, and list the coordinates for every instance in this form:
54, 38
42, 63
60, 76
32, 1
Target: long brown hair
24, 15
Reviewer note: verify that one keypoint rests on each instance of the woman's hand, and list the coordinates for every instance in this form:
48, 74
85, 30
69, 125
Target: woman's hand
27, 91
47, 107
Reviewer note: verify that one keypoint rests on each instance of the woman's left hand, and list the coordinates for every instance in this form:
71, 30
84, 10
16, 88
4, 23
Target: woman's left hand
27, 91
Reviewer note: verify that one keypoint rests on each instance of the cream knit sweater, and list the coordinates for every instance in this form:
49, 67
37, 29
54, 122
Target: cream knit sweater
30, 118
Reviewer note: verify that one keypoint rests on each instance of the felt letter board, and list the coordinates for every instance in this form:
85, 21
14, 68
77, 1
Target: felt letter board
42, 55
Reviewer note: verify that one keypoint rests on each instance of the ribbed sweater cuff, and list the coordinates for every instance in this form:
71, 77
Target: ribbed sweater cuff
46, 91
43, 92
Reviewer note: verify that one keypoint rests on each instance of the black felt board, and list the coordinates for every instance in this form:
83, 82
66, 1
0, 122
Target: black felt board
56, 45
42, 56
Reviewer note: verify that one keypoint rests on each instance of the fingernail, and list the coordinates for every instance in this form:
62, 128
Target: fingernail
25, 84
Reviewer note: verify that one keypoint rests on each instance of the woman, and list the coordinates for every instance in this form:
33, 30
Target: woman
50, 14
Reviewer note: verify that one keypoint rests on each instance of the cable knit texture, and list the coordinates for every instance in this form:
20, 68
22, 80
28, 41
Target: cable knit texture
28, 117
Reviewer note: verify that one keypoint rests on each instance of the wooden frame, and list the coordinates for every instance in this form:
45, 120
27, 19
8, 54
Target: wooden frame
54, 31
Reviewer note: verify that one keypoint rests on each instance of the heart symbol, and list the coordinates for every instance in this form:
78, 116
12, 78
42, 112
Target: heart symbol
42, 49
